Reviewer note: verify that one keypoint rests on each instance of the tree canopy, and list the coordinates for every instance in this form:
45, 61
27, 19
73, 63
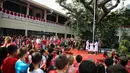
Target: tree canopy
81, 12
104, 7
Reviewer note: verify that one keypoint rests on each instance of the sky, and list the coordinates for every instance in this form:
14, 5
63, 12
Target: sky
52, 4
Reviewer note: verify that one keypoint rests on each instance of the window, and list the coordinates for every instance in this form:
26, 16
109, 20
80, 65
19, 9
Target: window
38, 15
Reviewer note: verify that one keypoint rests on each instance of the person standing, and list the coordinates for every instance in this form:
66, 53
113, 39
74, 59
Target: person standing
91, 47
96, 47
35, 65
21, 66
8, 65
87, 45
99, 45
61, 64
38, 43
71, 68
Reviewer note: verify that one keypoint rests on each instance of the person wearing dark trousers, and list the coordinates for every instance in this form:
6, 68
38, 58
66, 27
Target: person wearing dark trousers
99, 45
99, 50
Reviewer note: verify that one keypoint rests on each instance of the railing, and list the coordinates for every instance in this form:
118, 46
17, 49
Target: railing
22, 17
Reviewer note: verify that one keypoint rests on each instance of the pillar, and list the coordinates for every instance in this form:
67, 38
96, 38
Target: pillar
26, 32
71, 36
57, 18
65, 35
27, 13
45, 14
1, 32
55, 34
1, 4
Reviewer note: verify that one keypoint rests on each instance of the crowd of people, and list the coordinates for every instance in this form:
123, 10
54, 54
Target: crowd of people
50, 55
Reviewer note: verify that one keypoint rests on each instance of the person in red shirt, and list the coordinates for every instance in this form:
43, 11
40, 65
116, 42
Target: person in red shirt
61, 64
58, 42
48, 41
8, 65
44, 43
76, 65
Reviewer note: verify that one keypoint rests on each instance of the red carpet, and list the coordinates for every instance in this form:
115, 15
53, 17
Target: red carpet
87, 56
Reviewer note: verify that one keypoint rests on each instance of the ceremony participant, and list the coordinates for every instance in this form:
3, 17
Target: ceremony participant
117, 68
108, 63
3, 49
87, 67
87, 45
61, 64
96, 47
8, 65
91, 47
71, 68
35, 65
38, 43
79, 61
21, 66
43, 63
100, 68
7, 41
99, 45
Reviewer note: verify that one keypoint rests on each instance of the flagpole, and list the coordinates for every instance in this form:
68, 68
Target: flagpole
94, 20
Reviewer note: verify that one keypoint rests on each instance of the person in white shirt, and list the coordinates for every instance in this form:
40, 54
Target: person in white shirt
91, 47
38, 43
34, 66
96, 47
87, 45
43, 63
38, 40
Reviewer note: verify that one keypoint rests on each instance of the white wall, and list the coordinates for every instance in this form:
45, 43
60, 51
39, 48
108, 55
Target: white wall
47, 27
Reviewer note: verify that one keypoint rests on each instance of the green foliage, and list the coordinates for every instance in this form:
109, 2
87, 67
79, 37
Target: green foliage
109, 27
80, 14
79, 18
125, 34
124, 46
107, 30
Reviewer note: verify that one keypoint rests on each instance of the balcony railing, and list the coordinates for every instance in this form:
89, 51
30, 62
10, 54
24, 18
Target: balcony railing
22, 17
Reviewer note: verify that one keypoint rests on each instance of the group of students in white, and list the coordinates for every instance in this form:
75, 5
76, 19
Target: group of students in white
92, 47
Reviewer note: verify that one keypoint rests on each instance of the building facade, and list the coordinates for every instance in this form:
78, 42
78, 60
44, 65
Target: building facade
26, 17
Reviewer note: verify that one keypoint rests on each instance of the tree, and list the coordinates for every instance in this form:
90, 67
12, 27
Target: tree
124, 47
81, 13
104, 7
124, 31
107, 30
78, 18
110, 28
